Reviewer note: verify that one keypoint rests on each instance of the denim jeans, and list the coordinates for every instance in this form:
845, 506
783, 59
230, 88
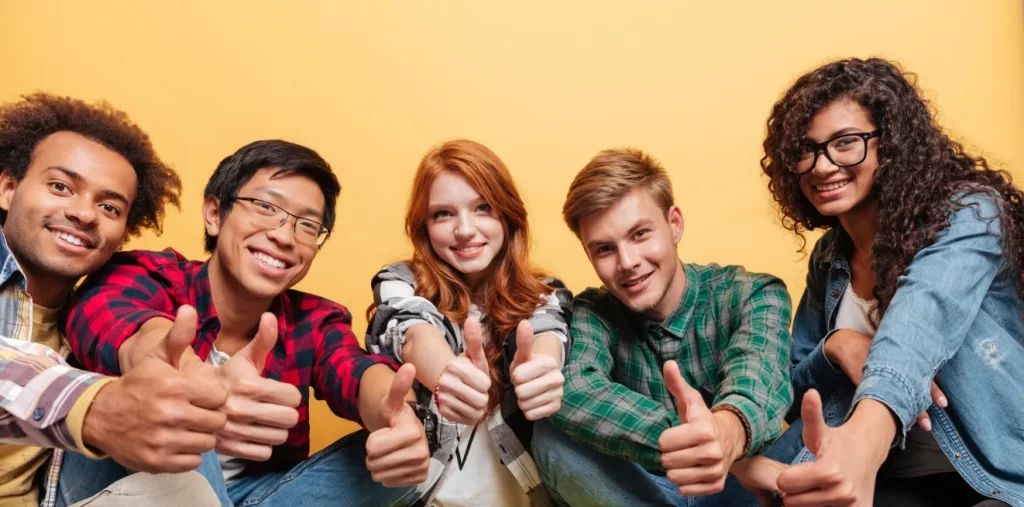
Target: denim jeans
578, 475
335, 476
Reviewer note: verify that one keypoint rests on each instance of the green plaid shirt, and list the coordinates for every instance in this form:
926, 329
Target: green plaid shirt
730, 336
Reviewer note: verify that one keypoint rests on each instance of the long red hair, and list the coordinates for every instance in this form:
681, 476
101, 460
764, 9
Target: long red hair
512, 289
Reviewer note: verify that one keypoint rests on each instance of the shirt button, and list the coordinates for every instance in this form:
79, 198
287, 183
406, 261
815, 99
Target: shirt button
995, 491
835, 293
956, 455
37, 414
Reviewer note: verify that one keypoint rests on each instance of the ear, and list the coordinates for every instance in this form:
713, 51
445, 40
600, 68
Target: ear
8, 184
211, 216
675, 223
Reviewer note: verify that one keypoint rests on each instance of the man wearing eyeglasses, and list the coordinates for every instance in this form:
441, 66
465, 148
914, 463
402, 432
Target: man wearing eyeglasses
267, 210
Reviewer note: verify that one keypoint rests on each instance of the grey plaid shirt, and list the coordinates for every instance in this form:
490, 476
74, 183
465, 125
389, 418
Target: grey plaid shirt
399, 308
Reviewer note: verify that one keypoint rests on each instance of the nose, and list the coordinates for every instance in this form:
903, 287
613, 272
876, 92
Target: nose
822, 164
629, 257
82, 212
465, 229
284, 234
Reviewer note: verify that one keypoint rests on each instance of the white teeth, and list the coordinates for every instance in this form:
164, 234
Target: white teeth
268, 260
469, 249
70, 239
641, 279
832, 186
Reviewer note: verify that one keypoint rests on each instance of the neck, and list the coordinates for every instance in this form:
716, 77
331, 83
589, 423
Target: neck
48, 291
673, 295
861, 224
238, 311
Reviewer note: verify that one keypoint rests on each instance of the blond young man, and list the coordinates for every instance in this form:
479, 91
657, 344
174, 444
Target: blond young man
678, 370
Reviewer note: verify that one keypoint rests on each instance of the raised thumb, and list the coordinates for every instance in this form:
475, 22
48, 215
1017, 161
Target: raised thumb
180, 336
395, 398
473, 335
814, 422
689, 402
262, 344
524, 343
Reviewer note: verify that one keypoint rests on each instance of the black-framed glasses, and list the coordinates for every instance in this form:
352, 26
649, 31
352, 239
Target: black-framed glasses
844, 151
272, 216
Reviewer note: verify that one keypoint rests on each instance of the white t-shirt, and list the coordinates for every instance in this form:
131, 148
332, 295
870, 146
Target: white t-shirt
229, 465
855, 313
476, 476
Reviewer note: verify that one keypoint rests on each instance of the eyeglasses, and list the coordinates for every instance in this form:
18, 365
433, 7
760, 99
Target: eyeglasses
272, 216
844, 151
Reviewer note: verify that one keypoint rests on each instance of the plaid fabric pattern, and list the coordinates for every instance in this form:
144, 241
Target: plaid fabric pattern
729, 335
315, 347
37, 387
398, 308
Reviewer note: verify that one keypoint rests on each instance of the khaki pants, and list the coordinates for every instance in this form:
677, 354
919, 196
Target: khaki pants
141, 489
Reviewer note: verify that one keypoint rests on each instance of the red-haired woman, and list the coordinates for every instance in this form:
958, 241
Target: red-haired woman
486, 331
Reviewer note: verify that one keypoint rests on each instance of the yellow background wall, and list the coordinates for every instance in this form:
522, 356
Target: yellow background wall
372, 85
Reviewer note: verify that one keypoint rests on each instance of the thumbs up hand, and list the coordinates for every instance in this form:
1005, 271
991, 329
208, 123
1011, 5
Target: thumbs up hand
462, 387
698, 453
259, 410
398, 454
537, 377
848, 456
164, 412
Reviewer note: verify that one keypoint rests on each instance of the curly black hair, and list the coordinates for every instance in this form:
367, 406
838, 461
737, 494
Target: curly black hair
920, 175
25, 123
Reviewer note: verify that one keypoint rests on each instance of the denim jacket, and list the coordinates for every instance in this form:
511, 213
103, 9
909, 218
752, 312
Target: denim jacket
955, 318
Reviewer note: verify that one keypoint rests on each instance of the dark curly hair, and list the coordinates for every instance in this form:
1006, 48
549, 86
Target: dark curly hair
921, 171
25, 123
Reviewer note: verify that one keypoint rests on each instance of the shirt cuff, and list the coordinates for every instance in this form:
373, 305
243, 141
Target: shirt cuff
75, 419
747, 412
891, 389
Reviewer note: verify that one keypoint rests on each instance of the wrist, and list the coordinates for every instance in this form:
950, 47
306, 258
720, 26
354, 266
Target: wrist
94, 422
733, 432
874, 424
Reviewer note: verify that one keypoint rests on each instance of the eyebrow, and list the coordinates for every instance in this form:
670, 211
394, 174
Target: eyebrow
308, 210
106, 193
645, 222
843, 131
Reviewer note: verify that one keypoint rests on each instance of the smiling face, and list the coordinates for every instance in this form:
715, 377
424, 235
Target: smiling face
463, 228
265, 259
68, 214
833, 190
632, 246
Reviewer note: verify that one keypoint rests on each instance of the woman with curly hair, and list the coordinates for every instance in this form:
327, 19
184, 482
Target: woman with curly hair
486, 331
913, 295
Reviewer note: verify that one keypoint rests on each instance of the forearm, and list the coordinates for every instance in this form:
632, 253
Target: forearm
548, 344
426, 349
373, 387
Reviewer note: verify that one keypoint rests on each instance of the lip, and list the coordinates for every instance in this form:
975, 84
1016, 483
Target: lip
271, 271
468, 255
834, 193
86, 240
644, 281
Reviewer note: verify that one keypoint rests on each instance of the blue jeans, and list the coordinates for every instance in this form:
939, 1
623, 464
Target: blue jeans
335, 476
578, 475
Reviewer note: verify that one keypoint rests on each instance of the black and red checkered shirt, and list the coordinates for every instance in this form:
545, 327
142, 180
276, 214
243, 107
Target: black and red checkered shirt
315, 347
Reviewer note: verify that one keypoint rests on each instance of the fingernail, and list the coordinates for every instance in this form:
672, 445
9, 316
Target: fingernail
926, 424
943, 402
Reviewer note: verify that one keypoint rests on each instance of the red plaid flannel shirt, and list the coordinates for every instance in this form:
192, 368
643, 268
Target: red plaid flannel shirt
315, 348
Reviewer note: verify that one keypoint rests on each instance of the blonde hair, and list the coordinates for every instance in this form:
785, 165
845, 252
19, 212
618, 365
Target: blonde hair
608, 177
